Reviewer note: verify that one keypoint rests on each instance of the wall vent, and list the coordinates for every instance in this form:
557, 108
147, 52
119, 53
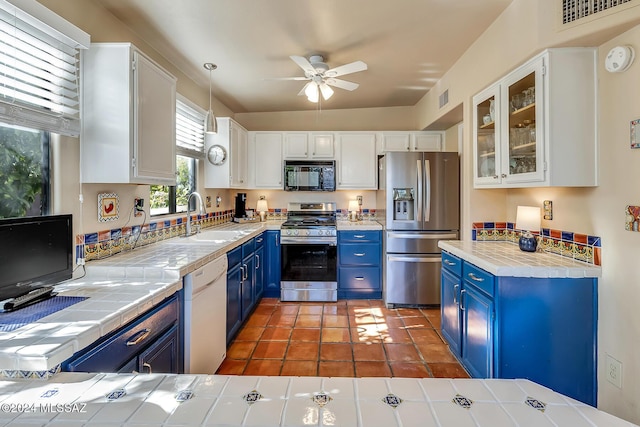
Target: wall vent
444, 98
573, 10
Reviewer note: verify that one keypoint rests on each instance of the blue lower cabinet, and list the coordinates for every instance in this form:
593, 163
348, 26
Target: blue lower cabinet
234, 300
248, 286
152, 340
272, 264
541, 329
359, 264
259, 272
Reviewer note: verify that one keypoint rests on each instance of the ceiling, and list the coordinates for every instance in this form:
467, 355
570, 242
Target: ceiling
407, 45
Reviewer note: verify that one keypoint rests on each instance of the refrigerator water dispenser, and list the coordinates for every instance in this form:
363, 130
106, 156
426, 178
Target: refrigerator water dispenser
403, 204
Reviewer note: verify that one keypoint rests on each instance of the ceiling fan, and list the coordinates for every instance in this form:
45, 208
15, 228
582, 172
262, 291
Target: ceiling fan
321, 77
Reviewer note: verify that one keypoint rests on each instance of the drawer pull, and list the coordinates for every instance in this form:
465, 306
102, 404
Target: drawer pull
455, 294
358, 236
446, 261
476, 278
138, 337
148, 366
257, 261
359, 278
462, 292
359, 254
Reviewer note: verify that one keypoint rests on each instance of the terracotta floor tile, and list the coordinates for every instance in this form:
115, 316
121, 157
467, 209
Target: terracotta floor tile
309, 321
339, 310
401, 352
263, 367
366, 333
264, 309
358, 302
250, 333
409, 312
396, 336
310, 309
286, 310
362, 319
336, 369
416, 322
241, 349
276, 334
425, 336
232, 367
335, 351
334, 321
282, 320
431, 312
336, 335
433, 353
368, 351
447, 370
372, 369
409, 370
300, 368
270, 350
436, 322
306, 334
391, 322
258, 320
303, 351
376, 303
269, 301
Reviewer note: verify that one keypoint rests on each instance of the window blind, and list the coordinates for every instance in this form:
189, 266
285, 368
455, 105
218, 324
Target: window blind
39, 71
189, 129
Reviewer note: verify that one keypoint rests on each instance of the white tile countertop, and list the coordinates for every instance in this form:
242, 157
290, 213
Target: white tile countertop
358, 225
91, 400
506, 259
119, 289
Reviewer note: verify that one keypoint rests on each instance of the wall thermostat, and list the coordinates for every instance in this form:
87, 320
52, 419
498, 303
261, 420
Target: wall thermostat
619, 59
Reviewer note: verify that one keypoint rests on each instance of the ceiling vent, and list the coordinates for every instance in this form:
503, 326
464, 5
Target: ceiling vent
443, 98
573, 10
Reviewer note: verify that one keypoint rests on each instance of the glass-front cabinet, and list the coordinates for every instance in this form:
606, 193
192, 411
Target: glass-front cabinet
537, 125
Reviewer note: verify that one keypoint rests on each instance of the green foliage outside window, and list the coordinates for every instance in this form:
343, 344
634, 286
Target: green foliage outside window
22, 172
161, 195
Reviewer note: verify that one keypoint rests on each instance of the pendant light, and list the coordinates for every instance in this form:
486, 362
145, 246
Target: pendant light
211, 125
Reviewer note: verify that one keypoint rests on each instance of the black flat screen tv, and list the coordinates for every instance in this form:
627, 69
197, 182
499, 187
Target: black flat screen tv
34, 252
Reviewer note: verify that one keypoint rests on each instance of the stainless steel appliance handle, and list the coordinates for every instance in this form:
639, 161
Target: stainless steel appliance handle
413, 258
426, 236
307, 241
419, 181
427, 190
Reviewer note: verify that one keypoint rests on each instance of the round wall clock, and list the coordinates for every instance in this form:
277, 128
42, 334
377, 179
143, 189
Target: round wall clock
619, 59
216, 155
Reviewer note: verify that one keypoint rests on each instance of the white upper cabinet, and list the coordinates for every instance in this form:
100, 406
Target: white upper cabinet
265, 160
357, 161
308, 145
128, 117
536, 126
411, 141
233, 172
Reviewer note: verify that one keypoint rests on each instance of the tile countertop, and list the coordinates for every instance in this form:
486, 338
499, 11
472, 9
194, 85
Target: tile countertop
200, 400
119, 289
358, 225
506, 259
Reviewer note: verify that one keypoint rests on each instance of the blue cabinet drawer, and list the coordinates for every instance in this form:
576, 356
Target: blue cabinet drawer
234, 257
248, 248
363, 254
479, 278
359, 236
359, 278
452, 263
259, 240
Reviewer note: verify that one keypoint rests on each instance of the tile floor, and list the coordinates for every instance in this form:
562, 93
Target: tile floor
349, 338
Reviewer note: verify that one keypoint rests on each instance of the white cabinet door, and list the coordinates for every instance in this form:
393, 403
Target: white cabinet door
321, 146
296, 145
155, 123
396, 141
487, 137
267, 152
411, 141
427, 142
238, 155
357, 165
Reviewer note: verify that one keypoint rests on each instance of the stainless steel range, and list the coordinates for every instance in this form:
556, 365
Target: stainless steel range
309, 240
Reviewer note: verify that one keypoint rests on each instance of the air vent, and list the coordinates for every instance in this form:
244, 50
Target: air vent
573, 10
444, 98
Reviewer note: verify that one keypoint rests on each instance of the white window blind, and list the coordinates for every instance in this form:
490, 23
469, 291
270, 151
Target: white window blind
39, 76
189, 129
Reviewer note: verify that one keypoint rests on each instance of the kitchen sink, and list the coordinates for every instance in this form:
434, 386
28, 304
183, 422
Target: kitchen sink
212, 237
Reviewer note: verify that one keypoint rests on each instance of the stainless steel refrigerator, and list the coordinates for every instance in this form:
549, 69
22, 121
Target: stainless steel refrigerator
421, 195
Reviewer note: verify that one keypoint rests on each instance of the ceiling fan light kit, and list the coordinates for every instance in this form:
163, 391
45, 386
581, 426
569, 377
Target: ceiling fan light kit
321, 77
210, 123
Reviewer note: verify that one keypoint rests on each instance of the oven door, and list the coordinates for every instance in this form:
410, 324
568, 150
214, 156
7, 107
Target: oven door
309, 271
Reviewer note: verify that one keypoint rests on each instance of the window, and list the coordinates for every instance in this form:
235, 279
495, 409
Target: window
189, 146
24, 172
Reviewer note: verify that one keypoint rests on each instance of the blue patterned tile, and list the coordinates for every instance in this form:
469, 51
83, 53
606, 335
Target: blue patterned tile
179, 221
49, 393
536, 404
489, 225
252, 397
91, 238
392, 400
546, 232
116, 233
167, 223
567, 236
593, 241
321, 399
462, 401
116, 394
153, 226
184, 395
473, 234
511, 226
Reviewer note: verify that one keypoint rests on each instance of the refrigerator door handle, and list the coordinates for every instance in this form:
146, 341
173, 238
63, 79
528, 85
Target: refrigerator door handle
427, 190
413, 258
427, 236
419, 181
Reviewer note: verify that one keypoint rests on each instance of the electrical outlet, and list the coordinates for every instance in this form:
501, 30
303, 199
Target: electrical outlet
138, 204
359, 199
80, 261
613, 371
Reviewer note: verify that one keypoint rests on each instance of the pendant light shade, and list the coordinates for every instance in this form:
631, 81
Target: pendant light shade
312, 92
211, 124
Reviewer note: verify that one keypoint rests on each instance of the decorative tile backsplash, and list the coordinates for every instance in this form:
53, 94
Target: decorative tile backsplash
578, 246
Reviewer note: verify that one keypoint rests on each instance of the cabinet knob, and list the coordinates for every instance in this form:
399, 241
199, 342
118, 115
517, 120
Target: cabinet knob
504, 175
495, 176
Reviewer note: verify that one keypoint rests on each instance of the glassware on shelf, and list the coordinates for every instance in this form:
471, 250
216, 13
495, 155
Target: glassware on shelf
516, 101
492, 109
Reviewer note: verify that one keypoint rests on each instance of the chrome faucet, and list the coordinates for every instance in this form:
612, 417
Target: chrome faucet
201, 209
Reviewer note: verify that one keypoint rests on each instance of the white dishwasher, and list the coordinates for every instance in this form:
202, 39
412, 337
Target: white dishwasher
205, 317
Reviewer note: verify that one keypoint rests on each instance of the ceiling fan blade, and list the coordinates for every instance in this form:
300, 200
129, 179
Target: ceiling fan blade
304, 88
304, 64
353, 67
342, 84
286, 78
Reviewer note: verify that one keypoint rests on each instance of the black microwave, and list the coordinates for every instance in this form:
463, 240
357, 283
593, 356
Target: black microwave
305, 175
